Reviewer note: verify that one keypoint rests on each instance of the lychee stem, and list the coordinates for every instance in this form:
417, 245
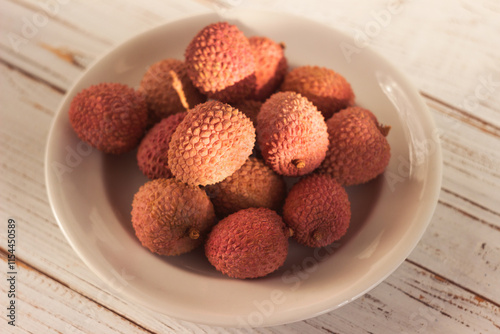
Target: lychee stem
282, 45
177, 85
194, 233
384, 129
318, 235
290, 232
299, 163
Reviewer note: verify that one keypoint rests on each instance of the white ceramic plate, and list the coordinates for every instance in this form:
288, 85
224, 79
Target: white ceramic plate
91, 193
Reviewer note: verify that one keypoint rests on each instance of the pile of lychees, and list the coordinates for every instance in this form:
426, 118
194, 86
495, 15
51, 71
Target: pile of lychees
219, 133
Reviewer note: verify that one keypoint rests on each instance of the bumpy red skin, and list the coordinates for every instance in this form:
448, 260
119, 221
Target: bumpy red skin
289, 129
220, 62
329, 91
211, 143
318, 210
111, 117
250, 108
270, 66
250, 243
254, 185
164, 210
163, 85
359, 151
152, 154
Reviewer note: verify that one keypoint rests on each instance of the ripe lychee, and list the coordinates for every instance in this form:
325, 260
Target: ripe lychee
326, 89
168, 89
318, 210
359, 150
170, 217
291, 134
250, 108
250, 243
111, 117
211, 143
152, 153
270, 66
220, 62
254, 185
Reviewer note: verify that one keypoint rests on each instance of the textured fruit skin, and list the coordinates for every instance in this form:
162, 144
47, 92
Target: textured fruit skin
109, 116
358, 151
165, 210
270, 66
152, 153
318, 210
254, 185
250, 243
220, 62
211, 143
168, 89
327, 90
290, 130
250, 108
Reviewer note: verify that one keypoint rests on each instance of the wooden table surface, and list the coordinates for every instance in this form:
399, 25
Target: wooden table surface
449, 49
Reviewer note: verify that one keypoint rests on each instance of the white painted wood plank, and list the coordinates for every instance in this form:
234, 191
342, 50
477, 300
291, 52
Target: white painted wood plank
470, 177
43, 305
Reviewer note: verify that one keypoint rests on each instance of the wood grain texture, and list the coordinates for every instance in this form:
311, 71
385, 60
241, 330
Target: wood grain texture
449, 282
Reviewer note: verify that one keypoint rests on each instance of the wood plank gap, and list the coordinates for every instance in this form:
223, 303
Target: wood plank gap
482, 207
465, 213
32, 77
482, 125
428, 305
23, 264
447, 280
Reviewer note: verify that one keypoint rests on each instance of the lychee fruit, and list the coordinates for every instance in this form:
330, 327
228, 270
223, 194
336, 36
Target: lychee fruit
326, 89
291, 134
359, 150
220, 62
211, 143
250, 108
250, 243
170, 217
270, 66
318, 210
111, 117
152, 153
254, 185
168, 89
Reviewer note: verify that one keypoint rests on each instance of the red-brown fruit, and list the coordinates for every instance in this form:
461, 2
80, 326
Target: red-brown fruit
318, 210
220, 62
152, 154
250, 243
170, 217
250, 108
111, 117
211, 143
270, 66
168, 89
359, 150
291, 134
254, 185
326, 89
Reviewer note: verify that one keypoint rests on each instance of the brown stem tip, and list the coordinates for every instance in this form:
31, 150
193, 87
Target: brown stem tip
299, 163
193, 233
318, 234
384, 129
